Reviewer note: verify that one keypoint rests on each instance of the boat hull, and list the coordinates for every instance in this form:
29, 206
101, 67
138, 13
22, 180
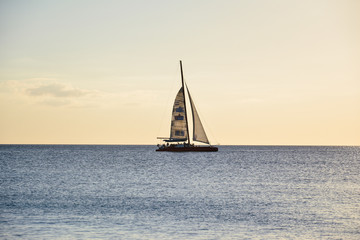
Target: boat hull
188, 149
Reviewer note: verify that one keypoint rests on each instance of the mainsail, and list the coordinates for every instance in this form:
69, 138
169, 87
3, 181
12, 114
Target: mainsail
199, 134
178, 131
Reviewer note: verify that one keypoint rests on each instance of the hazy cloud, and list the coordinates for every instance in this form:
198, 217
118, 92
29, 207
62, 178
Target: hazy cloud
44, 91
56, 90
50, 92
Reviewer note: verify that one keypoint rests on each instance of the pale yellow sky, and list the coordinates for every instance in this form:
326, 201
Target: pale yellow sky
261, 72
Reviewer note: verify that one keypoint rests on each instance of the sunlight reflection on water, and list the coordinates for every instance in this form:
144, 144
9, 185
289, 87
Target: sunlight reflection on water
133, 192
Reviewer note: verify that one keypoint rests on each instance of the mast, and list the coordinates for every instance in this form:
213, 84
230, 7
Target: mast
183, 87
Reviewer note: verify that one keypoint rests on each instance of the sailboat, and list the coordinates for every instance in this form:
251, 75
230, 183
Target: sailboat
179, 140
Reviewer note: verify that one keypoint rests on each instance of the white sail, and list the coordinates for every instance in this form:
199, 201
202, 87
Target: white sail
199, 134
178, 131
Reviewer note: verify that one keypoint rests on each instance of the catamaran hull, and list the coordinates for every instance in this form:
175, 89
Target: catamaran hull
188, 149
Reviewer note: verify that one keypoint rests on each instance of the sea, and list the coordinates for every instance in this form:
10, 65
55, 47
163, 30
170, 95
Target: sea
133, 192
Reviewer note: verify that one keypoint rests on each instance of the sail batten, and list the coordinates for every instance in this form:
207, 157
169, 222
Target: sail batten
178, 121
199, 134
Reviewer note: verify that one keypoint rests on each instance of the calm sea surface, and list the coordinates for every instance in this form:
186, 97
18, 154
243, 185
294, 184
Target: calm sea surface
133, 192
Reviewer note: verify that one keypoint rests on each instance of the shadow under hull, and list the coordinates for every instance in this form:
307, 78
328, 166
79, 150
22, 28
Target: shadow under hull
187, 149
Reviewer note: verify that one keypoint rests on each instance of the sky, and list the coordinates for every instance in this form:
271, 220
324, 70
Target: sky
279, 72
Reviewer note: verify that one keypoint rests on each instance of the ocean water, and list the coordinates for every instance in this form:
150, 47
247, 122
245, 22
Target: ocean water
133, 192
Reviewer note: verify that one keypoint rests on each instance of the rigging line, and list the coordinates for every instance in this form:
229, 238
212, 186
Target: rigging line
184, 90
170, 93
203, 120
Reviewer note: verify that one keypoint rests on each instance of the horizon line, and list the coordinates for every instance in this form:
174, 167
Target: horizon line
141, 144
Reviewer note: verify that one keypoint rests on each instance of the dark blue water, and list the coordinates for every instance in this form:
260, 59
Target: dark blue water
133, 192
